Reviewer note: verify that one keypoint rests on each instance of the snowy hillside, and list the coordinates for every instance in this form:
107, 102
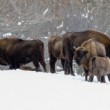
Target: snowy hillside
26, 90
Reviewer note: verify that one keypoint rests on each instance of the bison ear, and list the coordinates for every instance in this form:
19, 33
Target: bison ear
85, 52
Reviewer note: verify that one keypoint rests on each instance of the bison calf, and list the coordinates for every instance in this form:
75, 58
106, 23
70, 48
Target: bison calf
87, 50
99, 66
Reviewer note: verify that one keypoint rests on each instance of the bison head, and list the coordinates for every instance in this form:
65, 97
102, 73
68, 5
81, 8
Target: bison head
80, 55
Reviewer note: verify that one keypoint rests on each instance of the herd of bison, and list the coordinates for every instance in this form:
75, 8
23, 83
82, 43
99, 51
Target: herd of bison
89, 49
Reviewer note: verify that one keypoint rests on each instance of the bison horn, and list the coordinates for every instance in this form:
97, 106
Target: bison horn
83, 48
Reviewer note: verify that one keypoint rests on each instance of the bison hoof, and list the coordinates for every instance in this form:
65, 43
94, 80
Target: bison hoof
72, 74
52, 71
66, 73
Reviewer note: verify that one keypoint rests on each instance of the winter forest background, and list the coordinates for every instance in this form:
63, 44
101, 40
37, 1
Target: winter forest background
32, 19
39, 19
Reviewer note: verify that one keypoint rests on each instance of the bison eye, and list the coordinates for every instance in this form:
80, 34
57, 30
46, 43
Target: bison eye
81, 54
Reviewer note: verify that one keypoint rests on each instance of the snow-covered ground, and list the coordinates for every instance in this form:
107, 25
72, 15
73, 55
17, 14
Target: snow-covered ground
27, 90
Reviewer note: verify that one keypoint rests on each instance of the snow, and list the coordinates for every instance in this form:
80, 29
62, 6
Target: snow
82, 0
85, 15
68, 15
58, 68
63, 32
19, 23
47, 59
44, 13
45, 37
28, 90
7, 34
49, 33
60, 26
95, 26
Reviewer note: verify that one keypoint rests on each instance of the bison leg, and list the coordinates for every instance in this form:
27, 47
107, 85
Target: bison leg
14, 66
37, 66
86, 73
71, 69
42, 62
108, 77
13, 63
68, 68
70, 61
11, 67
68, 52
3, 62
63, 62
36, 63
52, 63
102, 79
66, 72
91, 78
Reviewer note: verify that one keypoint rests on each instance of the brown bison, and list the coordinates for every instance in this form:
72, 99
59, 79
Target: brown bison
75, 39
25, 52
99, 66
55, 51
21, 52
87, 50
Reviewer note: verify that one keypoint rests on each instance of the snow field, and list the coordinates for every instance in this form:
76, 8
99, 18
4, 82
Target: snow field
28, 90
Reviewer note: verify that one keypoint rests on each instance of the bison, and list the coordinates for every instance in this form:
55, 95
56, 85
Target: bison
99, 66
55, 51
4, 44
75, 39
19, 52
87, 50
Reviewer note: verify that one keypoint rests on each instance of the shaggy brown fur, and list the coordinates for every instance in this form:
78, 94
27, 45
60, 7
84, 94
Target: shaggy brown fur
87, 50
99, 66
25, 52
71, 39
55, 51
16, 52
